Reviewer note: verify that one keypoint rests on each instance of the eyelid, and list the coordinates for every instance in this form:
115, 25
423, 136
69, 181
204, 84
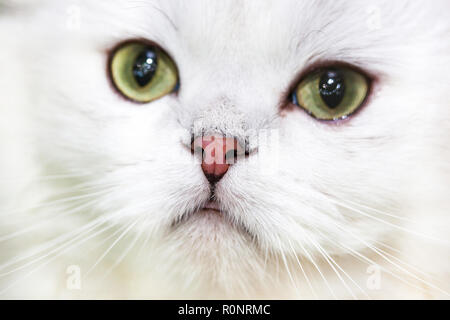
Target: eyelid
319, 66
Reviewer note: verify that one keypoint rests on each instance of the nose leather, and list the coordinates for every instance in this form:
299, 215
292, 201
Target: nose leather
218, 153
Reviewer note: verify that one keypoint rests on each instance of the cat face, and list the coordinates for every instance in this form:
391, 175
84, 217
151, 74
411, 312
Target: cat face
304, 186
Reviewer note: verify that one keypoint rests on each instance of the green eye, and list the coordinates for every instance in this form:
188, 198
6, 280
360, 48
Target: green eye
143, 72
332, 94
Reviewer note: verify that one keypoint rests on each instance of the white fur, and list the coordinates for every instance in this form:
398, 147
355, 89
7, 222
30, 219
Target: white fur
73, 152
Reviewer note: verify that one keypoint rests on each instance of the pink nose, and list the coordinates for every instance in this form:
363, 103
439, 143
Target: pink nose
218, 153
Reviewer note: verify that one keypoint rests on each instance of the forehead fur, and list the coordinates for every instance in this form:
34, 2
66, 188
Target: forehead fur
304, 30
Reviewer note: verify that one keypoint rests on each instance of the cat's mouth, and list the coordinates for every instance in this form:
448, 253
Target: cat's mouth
213, 212
211, 207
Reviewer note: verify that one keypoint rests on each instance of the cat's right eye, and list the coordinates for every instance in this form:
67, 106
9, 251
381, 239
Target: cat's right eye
143, 72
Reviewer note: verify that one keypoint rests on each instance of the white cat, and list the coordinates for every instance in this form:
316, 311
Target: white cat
338, 113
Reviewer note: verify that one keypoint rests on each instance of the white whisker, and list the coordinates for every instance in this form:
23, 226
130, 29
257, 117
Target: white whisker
130, 226
303, 270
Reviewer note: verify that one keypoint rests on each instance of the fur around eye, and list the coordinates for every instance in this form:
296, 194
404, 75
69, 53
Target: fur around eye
142, 72
332, 93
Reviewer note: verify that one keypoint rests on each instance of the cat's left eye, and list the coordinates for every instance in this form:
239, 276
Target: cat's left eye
332, 93
143, 72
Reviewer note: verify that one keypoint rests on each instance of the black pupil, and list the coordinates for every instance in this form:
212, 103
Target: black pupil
144, 67
332, 88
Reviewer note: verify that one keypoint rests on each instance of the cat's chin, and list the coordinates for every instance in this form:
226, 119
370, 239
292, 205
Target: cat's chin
210, 252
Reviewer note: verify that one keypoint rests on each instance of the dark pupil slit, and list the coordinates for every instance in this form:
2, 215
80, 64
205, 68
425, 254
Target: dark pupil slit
332, 88
144, 67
